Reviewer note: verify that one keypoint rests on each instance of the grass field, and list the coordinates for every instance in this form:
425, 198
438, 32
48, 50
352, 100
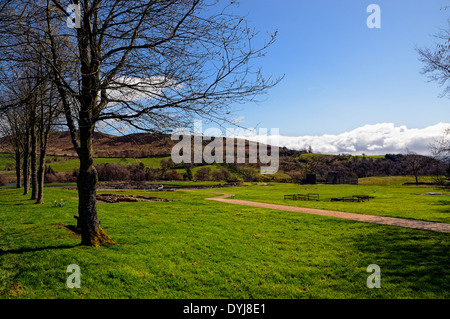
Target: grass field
394, 180
393, 201
62, 164
192, 248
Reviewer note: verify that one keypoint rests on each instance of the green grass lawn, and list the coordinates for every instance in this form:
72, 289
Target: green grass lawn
6, 161
186, 183
394, 180
192, 248
61, 165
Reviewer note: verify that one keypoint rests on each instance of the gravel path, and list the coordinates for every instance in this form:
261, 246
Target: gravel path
408, 223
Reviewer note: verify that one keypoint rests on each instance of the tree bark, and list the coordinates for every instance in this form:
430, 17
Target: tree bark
43, 140
26, 164
41, 170
33, 156
91, 232
40, 181
18, 169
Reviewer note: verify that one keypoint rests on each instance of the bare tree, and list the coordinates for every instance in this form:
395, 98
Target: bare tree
437, 60
12, 130
49, 110
152, 65
19, 82
437, 66
440, 147
440, 150
22, 117
416, 163
28, 121
32, 122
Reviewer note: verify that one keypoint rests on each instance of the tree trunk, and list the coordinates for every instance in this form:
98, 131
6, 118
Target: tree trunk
40, 178
26, 165
18, 184
33, 161
43, 139
91, 232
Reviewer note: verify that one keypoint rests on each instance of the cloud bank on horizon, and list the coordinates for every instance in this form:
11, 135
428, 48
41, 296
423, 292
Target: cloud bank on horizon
377, 139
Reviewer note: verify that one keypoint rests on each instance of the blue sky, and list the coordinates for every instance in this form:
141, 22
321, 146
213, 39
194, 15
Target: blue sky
339, 74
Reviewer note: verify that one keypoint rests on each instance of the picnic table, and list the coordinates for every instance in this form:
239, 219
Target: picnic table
354, 198
307, 197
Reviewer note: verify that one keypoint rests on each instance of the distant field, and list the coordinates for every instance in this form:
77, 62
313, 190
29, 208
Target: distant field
62, 164
316, 155
370, 156
394, 180
6, 161
70, 165
394, 201
186, 184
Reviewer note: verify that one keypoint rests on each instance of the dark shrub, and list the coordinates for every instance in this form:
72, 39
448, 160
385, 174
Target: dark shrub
167, 164
226, 174
217, 176
153, 174
109, 172
172, 175
55, 177
297, 177
69, 177
249, 174
233, 179
3, 181
188, 175
222, 175
203, 174
137, 174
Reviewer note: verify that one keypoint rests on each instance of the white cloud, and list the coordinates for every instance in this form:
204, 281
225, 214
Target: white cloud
238, 120
378, 139
134, 89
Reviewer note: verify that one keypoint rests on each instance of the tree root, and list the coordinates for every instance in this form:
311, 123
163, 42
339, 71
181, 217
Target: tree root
98, 238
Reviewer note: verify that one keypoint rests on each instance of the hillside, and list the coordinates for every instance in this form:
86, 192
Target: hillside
134, 145
138, 145
150, 149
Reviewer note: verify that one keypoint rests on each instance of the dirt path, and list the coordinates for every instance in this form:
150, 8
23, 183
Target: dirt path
408, 223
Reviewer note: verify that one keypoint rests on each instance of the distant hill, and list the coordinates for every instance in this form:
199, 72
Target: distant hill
294, 165
133, 145
137, 145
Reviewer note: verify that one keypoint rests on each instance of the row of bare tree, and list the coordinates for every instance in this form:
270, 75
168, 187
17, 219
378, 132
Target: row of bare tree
153, 65
33, 110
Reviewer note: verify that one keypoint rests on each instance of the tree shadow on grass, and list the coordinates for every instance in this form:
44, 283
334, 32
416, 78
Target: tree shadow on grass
28, 250
16, 202
415, 260
445, 205
75, 233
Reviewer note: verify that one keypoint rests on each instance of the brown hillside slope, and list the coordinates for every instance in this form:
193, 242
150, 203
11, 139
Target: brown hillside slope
138, 145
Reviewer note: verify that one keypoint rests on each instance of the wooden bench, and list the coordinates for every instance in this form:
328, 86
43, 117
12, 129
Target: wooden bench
314, 197
306, 197
354, 198
363, 197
